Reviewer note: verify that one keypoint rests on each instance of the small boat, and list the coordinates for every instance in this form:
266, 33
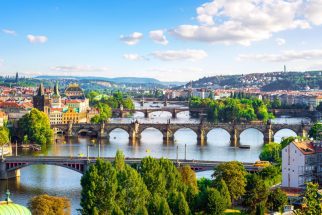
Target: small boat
244, 146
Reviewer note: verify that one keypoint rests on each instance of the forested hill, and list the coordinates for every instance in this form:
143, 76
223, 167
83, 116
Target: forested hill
266, 81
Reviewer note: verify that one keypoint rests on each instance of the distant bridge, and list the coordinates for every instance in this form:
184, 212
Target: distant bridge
164, 102
135, 129
146, 111
10, 166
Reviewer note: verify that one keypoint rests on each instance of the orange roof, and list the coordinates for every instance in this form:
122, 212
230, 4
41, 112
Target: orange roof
307, 147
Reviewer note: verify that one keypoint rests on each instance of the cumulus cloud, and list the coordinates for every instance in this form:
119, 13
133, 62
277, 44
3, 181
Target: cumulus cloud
247, 21
82, 68
36, 39
132, 57
313, 11
9, 32
280, 41
188, 54
289, 55
132, 39
158, 37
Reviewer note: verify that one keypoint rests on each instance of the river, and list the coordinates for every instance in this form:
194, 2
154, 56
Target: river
53, 180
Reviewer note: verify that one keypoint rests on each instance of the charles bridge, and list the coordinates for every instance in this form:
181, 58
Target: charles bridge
135, 129
10, 166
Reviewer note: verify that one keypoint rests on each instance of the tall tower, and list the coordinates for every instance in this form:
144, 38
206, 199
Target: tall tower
39, 98
17, 77
56, 98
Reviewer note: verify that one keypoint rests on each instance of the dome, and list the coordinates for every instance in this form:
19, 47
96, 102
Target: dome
74, 91
7, 207
10, 208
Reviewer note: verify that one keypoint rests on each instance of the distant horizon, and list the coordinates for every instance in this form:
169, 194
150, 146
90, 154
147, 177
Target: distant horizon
165, 40
145, 77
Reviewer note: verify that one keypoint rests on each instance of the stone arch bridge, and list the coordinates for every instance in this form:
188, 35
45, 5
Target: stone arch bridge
135, 129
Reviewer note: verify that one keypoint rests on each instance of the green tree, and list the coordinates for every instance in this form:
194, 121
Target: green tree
233, 173
256, 193
99, 186
271, 152
158, 206
119, 162
105, 112
216, 204
128, 104
316, 131
36, 126
4, 138
131, 192
286, 141
178, 203
49, 205
276, 200
221, 186
188, 177
312, 200
276, 103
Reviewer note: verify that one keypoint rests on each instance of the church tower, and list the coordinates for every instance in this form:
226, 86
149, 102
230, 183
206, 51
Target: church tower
56, 98
39, 98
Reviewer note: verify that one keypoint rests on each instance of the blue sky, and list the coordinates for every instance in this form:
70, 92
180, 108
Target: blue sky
177, 40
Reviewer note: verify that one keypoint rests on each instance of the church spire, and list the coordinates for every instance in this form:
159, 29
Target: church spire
56, 89
41, 90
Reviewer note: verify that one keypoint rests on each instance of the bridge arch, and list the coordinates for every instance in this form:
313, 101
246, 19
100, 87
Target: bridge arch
247, 138
86, 132
183, 136
218, 136
283, 133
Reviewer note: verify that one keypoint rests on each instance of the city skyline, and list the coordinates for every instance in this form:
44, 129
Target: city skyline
167, 40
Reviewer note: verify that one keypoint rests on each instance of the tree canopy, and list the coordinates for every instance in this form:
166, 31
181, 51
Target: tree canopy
36, 126
49, 205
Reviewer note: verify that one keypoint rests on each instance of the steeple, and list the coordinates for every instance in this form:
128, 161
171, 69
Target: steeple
41, 90
56, 89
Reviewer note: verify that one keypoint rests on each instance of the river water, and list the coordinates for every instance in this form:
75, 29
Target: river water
53, 180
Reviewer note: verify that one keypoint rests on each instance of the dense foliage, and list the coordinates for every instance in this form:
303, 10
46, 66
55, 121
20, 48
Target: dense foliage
49, 205
276, 200
4, 136
232, 109
271, 152
35, 126
311, 201
316, 131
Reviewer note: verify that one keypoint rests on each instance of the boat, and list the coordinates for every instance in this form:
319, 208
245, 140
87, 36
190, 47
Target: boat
244, 146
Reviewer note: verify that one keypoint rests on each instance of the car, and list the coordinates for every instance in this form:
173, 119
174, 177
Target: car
262, 164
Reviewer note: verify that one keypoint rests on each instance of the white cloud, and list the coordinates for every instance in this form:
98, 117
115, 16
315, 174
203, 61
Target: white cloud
313, 11
82, 68
247, 21
36, 39
290, 55
280, 41
132, 39
158, 37
132, 57
188, 54
9, 31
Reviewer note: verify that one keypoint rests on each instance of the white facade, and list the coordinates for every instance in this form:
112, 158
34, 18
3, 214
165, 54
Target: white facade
292, 160
298, 164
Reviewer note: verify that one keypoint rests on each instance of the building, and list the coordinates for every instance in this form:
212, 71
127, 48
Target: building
73, 115
55, 100
39, 98
7, 207
301, 163
73, 91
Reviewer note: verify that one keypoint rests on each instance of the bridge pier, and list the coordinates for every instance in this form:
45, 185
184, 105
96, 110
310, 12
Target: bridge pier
174, 113
146, 113
268, 135
201, 137
4, 174
235, 138
168, 136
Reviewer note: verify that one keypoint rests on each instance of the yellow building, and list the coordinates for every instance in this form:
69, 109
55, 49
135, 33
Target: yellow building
73, 115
